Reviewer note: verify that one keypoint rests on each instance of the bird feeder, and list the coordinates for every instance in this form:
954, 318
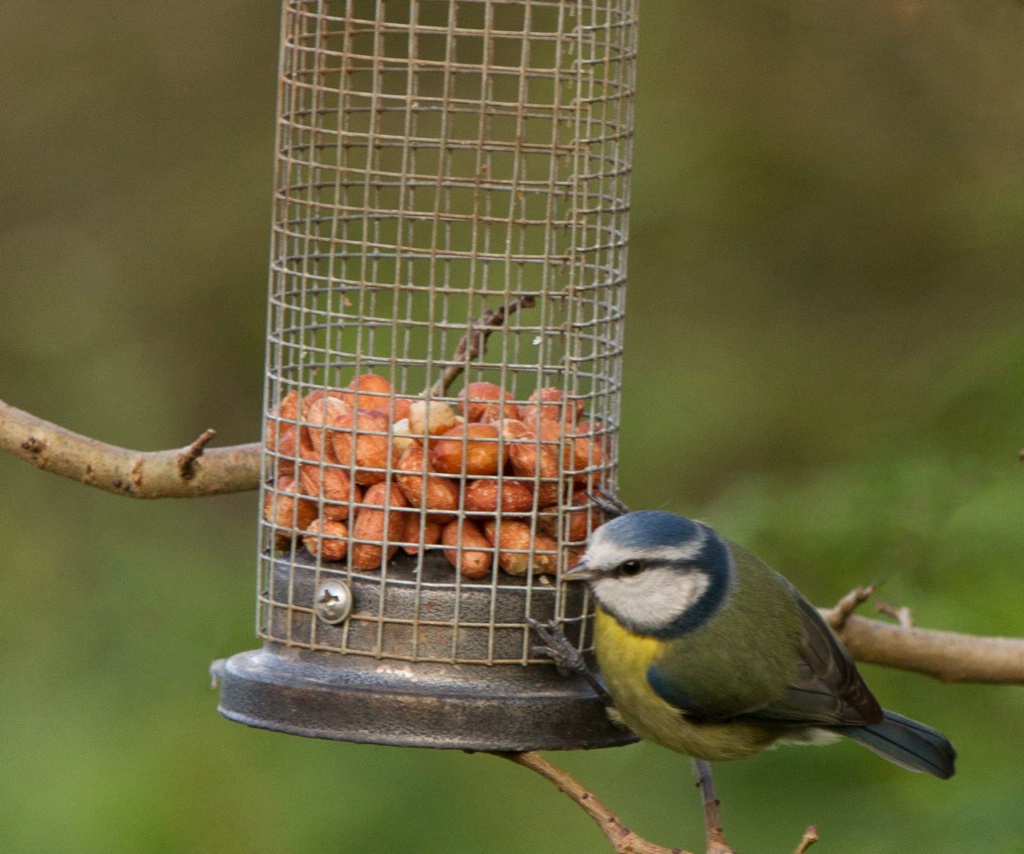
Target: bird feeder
443, 371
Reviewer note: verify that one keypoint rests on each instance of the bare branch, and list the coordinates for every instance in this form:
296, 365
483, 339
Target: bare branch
181, 473
807, 840
623, 840
847, 605
474, 342
902, 615
948, 656
712, 809
194, 471
188, 457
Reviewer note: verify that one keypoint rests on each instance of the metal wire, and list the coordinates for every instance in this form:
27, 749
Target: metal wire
438, 159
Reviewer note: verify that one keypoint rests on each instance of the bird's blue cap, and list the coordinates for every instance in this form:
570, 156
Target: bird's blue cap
644, 529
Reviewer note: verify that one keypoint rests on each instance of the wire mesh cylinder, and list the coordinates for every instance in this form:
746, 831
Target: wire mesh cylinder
445, 334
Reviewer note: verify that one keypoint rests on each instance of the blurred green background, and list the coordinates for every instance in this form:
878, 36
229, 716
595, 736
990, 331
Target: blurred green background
825, 360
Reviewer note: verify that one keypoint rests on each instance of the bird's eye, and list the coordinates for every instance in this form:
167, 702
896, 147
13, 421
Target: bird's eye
630, 567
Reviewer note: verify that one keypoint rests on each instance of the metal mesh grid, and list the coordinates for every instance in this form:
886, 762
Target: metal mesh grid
443, 166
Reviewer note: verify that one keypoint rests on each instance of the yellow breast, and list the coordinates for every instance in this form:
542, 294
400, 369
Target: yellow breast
624, 658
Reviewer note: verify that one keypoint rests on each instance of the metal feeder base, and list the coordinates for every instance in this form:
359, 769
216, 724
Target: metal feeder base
356, 698
385, 698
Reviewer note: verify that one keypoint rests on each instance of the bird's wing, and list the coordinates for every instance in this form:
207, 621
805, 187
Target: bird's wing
798, 675
826, 688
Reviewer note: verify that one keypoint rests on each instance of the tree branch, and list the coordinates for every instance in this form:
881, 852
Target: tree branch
623, 840
187, 458
807, 840
947, 656
474, 342
186, 472
712, 809
195, 470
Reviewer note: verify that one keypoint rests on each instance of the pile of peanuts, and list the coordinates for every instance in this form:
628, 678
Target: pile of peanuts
465, 478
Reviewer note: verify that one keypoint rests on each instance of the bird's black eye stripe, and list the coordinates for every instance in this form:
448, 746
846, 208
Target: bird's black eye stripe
630, 567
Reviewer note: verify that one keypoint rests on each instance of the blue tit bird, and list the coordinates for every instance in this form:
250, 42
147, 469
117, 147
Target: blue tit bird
708, 651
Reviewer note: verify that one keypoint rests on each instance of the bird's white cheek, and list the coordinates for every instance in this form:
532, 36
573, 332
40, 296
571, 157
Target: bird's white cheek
653, 599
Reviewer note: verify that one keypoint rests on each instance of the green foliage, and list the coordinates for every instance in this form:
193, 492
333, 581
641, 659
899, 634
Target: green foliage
825, 359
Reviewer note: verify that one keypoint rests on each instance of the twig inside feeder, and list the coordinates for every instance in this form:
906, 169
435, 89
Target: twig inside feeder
474, 342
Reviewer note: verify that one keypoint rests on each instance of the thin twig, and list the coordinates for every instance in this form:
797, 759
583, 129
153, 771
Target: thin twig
623, 840
807, 840
839, 614
187, 458
712, 809
180, 473
902, 614
474, 342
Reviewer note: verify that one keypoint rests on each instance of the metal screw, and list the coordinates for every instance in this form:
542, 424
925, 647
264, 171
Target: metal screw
333, 601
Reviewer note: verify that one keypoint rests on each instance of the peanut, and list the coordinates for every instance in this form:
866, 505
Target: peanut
318, 394
369, 526
590, 450
370, 383
468, 549
424, 489
402, 406
531, 460
581, 517
431, 418
551, 433
374, 393
333, 485
545, 555
401, 436
482, 496
283, 507
546, 404
514, 540
360, 441
477, 398
495, 412
287, 448
325, 538
288, 408
321, 418
415, 525
471, 450
282, 417
513, 428
584, 520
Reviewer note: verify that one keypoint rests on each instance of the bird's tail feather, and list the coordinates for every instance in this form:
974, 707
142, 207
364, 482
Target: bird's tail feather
906, 743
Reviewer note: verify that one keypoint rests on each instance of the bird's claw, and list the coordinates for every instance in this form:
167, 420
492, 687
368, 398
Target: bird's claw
557, 647
568, 659
607, 503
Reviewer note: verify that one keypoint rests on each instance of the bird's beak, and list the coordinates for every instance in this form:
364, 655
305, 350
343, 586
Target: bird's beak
579, 572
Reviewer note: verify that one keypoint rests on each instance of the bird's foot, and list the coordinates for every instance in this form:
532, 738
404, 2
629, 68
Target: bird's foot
557, 647
608, 503
567, 658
